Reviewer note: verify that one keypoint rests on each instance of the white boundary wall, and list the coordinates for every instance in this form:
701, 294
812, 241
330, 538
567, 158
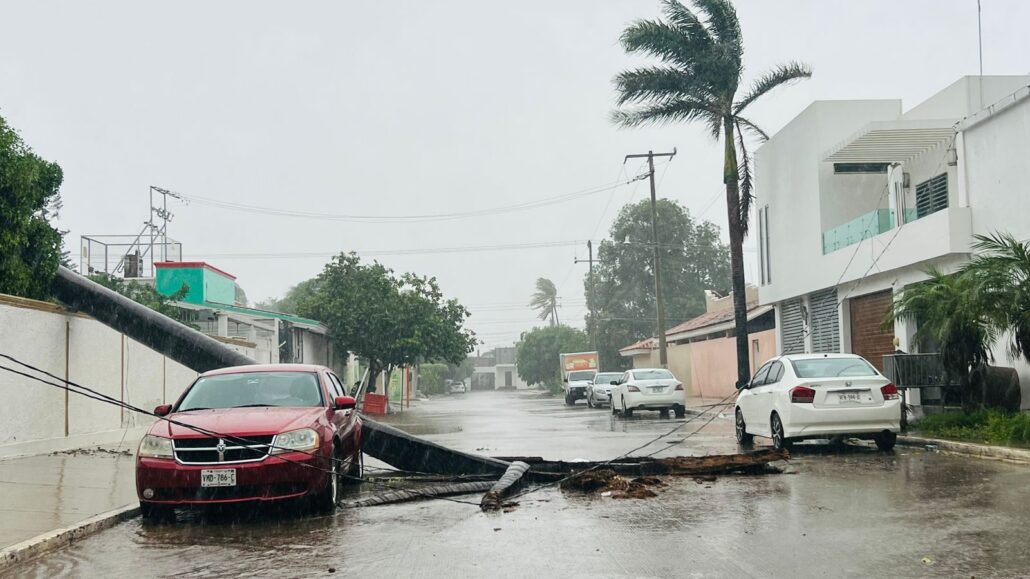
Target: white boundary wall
36, 418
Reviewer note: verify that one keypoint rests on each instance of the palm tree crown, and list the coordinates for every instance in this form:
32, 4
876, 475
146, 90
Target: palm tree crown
701, 56
545, 300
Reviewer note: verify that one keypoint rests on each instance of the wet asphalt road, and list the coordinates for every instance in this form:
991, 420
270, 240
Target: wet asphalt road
836, 512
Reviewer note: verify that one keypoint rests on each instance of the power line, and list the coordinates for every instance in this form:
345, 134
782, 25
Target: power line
87, 392
279, 212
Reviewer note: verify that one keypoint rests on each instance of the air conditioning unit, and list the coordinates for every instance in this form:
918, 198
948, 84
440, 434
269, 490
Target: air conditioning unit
132, 265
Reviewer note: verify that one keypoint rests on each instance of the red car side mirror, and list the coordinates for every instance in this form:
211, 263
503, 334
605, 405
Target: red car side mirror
163, 410
345, 402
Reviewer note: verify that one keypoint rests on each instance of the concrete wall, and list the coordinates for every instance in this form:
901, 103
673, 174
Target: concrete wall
37, 418
649, 360
680, 364
714, 364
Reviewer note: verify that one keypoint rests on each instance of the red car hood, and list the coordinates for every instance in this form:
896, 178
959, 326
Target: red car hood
239, 421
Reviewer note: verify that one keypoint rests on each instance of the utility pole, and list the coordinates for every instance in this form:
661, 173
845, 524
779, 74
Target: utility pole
663, 356
590, 293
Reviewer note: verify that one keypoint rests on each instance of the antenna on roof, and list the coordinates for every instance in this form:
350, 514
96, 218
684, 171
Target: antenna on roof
980, 46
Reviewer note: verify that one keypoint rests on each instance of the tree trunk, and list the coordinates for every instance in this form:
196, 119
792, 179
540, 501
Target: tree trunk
736, 231
373, 376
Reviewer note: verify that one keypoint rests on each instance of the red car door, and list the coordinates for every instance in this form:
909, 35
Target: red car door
346, 422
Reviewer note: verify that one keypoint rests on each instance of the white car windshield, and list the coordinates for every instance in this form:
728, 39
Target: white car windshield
832, 367
606, 378
653, 375
253, 389
582, 375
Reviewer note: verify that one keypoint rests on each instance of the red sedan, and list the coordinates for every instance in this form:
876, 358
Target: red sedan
284, 431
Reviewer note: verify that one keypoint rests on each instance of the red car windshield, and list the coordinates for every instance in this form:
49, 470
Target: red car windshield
291, 389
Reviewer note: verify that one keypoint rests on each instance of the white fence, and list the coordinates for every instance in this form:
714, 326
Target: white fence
37, 418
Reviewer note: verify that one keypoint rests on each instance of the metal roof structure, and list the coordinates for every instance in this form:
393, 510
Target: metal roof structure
892, 141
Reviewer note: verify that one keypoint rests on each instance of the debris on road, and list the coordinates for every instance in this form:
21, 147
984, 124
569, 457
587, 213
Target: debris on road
610, 484
404, 495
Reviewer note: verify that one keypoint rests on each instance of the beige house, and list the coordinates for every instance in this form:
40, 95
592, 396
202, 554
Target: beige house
702, 352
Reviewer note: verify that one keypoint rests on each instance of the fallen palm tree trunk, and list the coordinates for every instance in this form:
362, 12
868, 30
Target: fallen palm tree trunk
493, 500
748, 463
404, 495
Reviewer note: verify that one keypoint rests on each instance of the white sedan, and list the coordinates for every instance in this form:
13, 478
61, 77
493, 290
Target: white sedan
648, 389
600, 392
801, 396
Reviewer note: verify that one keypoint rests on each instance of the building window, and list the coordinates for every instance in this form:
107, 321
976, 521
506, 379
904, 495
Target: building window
859, 168
932, 195
764, 274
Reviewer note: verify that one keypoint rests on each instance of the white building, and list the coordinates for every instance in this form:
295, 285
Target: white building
856, 199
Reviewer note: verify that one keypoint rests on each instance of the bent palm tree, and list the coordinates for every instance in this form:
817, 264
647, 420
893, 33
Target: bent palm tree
701, 53
545, 300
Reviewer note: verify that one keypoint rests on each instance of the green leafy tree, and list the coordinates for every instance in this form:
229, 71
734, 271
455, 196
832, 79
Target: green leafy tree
291, 300
536, 354
145, 294
623, 302
431, 378
30, 248
950, 310
462, 371
545, 300
1001, 267
698, 80
390, 321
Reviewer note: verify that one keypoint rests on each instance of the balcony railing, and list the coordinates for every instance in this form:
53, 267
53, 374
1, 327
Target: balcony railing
869, 225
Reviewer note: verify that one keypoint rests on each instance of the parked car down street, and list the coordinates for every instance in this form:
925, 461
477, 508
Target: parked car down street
457, 388
797, 396
288, 432
599, 393
648, 389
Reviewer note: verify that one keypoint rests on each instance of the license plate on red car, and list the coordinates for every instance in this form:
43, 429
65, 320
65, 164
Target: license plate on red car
219, 477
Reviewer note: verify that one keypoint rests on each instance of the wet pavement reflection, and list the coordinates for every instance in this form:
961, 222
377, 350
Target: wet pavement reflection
836, 512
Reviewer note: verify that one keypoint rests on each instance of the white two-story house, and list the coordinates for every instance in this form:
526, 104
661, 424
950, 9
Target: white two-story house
856, 199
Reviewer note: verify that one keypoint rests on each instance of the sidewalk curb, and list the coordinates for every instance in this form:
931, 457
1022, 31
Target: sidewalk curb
53, 540
970, 449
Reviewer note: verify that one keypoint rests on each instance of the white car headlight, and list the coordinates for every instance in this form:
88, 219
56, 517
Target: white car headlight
155, 447
303, 439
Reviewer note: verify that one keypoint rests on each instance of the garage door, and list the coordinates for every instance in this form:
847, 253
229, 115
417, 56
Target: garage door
868, 338
792, 327
825, 321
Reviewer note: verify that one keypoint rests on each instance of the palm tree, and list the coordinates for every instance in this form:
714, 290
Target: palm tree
545, 300
698, 80
951, 310
1002, 268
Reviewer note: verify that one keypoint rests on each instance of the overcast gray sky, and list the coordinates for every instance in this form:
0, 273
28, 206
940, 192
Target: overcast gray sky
380, 108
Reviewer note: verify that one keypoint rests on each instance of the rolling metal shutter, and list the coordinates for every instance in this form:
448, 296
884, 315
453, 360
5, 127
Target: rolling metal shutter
792, 328
825, 321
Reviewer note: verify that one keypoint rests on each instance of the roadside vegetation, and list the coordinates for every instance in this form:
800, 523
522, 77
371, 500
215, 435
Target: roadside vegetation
30, 248
622, 300
536, 354
984, 426
386, 319
966, 313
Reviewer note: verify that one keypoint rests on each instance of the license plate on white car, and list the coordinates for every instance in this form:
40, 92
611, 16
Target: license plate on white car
853, 397
657, 388
219, 477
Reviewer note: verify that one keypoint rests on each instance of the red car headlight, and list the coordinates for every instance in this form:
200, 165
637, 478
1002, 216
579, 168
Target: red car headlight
304, 439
